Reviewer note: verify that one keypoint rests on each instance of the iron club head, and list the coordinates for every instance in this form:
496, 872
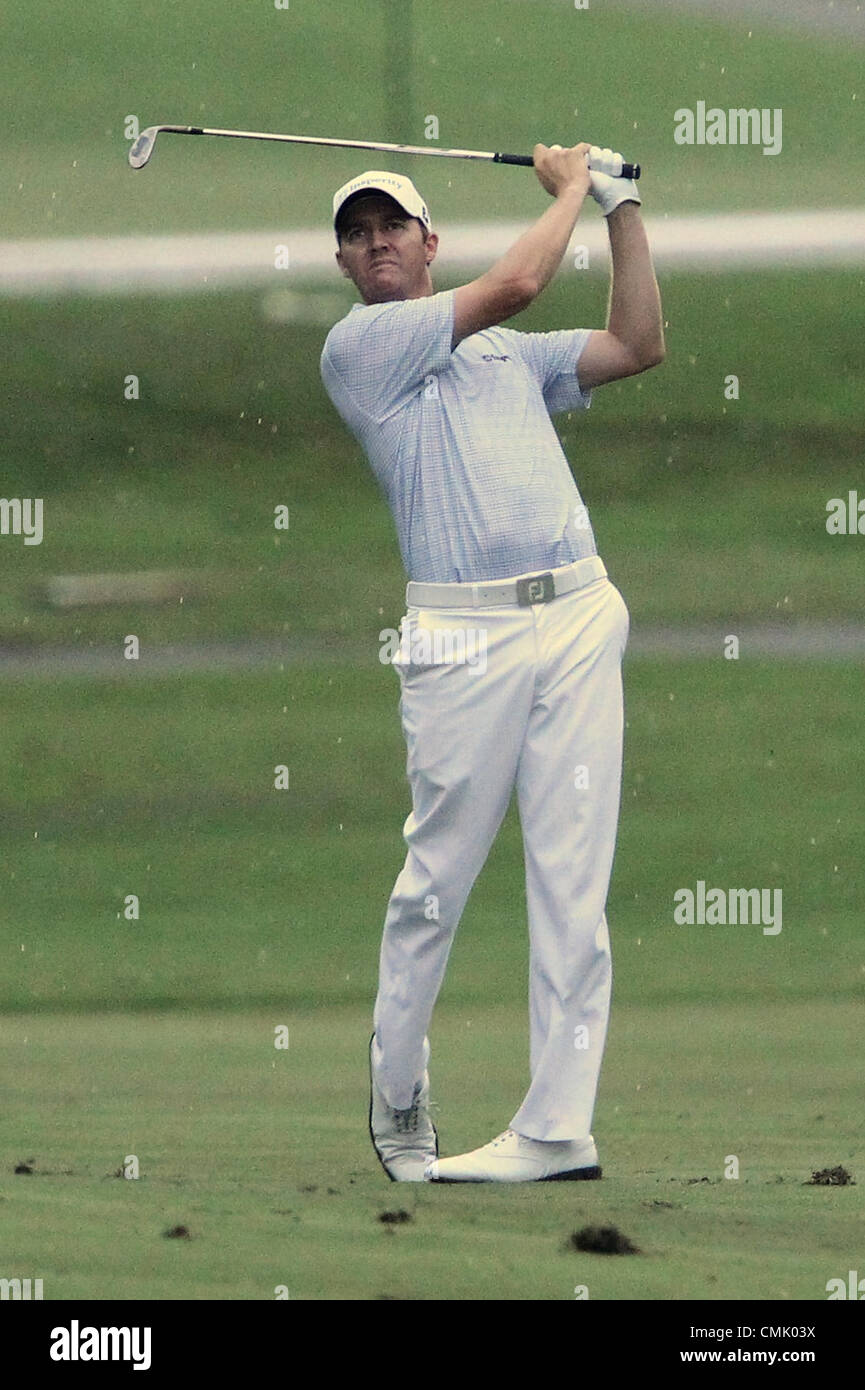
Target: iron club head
142, 148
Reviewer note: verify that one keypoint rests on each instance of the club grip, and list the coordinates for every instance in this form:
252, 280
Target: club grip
629, 171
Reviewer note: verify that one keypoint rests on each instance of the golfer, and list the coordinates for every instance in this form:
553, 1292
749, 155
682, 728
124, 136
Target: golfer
511, 644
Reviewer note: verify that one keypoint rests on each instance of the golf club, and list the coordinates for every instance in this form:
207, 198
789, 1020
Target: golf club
142, 148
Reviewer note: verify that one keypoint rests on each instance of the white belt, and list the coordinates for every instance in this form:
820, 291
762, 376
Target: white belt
524, 589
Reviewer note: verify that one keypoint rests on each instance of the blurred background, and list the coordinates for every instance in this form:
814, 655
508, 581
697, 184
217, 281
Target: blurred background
154, 777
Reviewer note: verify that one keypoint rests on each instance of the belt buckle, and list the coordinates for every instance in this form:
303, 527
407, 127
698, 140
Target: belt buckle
537, 588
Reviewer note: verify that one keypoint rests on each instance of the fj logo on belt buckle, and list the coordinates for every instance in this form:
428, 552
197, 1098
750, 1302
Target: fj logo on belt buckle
539, 588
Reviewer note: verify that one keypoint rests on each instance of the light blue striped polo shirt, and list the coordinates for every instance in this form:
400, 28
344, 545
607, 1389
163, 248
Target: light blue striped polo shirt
462, 442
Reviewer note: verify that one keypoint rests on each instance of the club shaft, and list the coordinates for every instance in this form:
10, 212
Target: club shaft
351, 144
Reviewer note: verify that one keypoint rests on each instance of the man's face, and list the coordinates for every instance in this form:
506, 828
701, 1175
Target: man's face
383, 251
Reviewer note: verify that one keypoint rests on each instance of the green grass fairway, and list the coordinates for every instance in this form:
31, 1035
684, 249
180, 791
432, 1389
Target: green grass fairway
263, 1156
260, 908
737, 773
495, 77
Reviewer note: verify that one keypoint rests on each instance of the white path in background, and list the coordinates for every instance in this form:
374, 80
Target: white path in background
823, 18
207, 261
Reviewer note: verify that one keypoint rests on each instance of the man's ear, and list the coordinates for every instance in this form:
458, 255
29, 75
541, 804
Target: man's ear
431, 246
340, 263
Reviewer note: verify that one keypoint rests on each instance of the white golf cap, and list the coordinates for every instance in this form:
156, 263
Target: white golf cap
396, 186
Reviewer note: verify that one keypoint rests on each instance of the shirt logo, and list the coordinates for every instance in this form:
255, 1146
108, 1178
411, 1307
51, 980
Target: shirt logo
495, 357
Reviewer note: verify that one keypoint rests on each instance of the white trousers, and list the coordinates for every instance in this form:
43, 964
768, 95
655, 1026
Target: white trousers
492, 698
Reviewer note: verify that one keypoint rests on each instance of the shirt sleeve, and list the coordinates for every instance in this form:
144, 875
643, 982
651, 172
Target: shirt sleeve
382, 353
552, 358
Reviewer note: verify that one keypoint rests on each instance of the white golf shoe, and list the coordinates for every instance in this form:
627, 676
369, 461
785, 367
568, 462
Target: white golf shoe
512, 1157
405, 1140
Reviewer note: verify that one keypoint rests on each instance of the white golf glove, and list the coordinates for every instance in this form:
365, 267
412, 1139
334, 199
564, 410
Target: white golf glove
608, 188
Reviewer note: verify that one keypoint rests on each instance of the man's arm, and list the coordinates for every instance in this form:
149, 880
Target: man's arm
529, 265
633, 340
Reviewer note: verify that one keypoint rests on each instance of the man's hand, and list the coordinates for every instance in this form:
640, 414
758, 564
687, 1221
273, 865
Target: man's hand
560, 169
607, 191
